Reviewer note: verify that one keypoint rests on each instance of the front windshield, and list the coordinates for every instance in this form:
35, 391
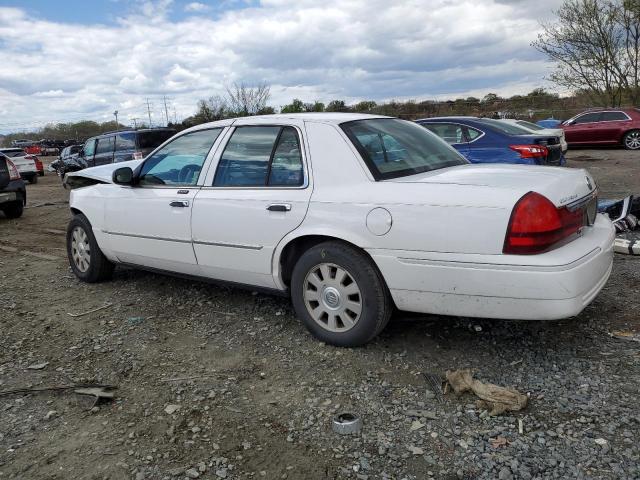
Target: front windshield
504, 127
395, 148
529, 125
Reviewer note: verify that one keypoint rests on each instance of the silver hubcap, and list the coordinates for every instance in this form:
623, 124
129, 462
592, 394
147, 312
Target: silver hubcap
80, 249
632, 140
332, 297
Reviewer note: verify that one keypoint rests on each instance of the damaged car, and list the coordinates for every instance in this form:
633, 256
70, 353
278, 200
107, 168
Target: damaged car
351, 216
13, 193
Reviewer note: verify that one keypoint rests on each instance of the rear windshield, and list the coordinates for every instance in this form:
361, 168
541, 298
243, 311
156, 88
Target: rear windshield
503, 127
529, 125
14, 153
396, 148
154, 138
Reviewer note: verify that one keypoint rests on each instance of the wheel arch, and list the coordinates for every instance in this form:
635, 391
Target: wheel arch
291, 248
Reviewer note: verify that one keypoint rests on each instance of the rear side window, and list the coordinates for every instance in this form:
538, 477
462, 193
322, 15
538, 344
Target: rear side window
395, 148
125, 141
472, 133
261, 156
105, 145
613, 116
588, 118
449, 132
154, 138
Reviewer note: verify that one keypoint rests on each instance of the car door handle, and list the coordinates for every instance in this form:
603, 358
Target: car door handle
279, 207
179, 203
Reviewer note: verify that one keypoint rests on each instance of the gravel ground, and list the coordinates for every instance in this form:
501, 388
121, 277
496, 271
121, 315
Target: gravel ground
224, 383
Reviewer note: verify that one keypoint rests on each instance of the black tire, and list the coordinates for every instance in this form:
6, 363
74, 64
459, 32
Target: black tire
33, 179
99, 267
41, 173
631, 140
376, 303
13, 209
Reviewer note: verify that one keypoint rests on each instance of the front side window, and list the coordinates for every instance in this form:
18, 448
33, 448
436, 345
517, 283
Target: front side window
449, 132
105, 145
395, 148
261, 156
587, 118
613, 117
125, 141
179, 162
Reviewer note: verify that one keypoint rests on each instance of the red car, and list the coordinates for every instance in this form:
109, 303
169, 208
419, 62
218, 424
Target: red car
604, 127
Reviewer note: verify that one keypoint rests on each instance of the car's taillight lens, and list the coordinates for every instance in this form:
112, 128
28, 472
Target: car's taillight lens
537, 225
137, 156
530, 151
14, 174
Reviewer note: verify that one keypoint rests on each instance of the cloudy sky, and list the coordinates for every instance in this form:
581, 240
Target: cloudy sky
74, 59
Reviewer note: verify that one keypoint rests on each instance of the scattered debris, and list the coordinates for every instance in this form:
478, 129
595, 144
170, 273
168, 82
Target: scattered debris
498, 442
635, 337
75, 315
135, 320
82, 388
37, 366
415, 450
171, 409
492, 397
601, 441
104, 392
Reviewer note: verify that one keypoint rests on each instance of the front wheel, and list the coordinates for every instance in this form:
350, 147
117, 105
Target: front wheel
340, 295
85, 257
13, 209
631, 140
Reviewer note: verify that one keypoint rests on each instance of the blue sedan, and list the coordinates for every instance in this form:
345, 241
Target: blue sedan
483, 140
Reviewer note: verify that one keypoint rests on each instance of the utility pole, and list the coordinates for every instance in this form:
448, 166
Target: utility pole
135, 123
166, 112
116, 114
149, 112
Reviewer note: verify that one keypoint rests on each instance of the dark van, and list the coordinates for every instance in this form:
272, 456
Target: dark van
123, 145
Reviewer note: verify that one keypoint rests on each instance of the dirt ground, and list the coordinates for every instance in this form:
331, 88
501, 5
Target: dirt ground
254, 394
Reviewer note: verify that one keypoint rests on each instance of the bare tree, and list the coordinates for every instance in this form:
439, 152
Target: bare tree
244, 100
594, 44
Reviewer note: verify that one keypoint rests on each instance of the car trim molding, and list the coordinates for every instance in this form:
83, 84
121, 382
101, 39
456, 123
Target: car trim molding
195, 242
230, 245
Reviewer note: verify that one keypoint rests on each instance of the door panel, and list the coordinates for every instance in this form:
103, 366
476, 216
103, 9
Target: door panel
144, 228
261, 194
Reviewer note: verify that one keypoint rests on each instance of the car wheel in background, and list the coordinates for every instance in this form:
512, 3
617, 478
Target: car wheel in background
340, 295
85, 257
33, 178
13, 209
631, 140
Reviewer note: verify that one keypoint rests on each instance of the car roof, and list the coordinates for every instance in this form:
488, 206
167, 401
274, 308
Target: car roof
320, 117
11, 149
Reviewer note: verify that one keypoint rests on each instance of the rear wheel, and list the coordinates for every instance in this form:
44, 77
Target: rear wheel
340, 295
13, 209
85, 257
631, 140
33, 178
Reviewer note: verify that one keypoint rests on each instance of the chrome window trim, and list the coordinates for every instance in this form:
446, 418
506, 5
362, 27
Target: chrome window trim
599, 121
305, 167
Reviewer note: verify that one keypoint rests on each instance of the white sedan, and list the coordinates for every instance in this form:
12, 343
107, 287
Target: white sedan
538, 130
24, 162
351, 215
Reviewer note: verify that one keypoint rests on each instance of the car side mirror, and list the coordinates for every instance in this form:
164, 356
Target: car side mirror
123, 176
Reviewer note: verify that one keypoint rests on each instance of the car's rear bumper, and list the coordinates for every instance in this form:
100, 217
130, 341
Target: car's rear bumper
553, 285
14, 191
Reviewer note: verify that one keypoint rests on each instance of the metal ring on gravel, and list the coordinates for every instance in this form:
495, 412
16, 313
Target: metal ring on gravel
347, 424
332, 297
80, 249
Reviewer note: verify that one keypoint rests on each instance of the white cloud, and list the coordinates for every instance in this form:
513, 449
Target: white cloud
371, 49
196, 7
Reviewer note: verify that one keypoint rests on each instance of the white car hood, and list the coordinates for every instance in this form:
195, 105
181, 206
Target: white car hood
560, 185
104, 173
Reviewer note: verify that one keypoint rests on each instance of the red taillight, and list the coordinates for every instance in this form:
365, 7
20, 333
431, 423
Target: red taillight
14, 174
530, 151
536, 225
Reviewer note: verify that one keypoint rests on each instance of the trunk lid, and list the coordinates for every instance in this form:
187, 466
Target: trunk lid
563, 186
